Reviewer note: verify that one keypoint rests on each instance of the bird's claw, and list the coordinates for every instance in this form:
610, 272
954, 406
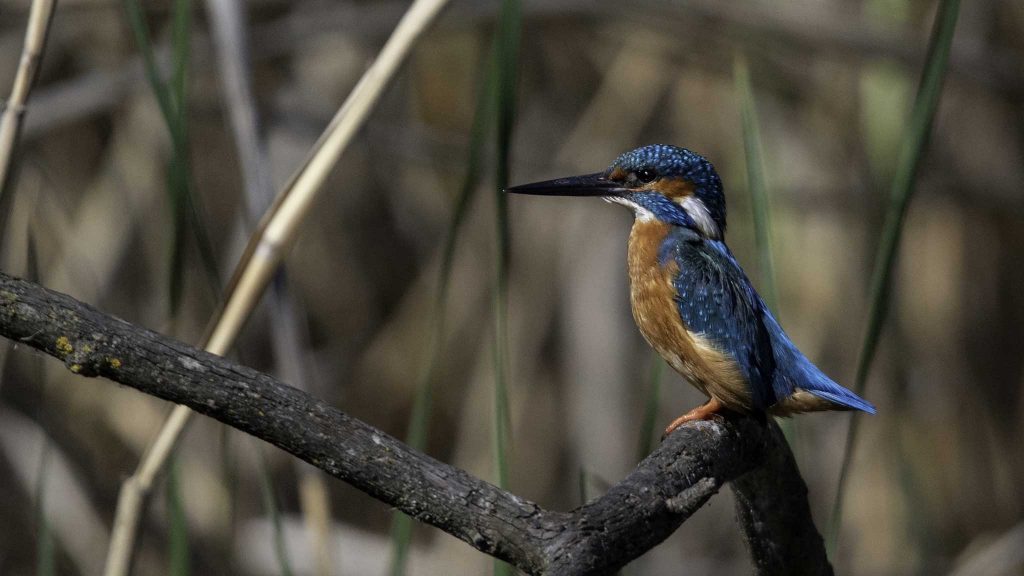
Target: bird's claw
707, 411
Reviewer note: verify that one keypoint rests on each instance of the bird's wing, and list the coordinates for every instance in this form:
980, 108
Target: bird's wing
715, 298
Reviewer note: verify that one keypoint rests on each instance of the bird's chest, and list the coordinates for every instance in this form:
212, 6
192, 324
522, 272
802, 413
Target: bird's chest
653, 296
657, 314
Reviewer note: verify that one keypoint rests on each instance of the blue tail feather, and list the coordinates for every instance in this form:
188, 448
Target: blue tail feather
817, 383
846, 398
794, 370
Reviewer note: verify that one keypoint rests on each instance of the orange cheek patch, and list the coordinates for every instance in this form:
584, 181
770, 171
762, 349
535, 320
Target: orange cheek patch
674, 188
618, 175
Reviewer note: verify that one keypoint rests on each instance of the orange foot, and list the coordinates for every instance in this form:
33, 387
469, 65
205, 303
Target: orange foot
705, 411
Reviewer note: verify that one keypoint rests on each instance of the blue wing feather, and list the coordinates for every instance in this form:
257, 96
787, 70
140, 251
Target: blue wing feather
715, 297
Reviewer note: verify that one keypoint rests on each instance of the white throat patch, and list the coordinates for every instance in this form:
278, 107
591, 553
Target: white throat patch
642, 214
693, 206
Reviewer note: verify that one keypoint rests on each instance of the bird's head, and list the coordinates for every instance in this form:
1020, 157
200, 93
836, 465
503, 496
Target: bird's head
658, 182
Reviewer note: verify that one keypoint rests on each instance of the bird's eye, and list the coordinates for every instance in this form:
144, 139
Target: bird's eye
646, 175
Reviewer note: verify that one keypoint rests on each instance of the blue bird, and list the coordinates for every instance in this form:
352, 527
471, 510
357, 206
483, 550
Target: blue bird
691, 299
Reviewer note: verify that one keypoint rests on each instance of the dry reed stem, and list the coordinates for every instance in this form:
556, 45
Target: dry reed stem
35, 40
229, 32
263, 255
315, 502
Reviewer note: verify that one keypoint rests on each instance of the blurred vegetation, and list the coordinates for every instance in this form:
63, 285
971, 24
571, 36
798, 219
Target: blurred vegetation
934, 484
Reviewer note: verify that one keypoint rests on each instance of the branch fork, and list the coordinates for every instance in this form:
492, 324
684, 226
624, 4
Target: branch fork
597, 538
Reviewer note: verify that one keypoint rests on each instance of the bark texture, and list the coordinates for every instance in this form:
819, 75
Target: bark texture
598, 538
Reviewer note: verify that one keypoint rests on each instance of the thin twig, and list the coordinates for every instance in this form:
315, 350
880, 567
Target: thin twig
28, 68
261, 259
597, 538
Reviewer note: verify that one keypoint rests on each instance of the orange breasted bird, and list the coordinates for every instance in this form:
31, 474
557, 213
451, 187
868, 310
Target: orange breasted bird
690, 297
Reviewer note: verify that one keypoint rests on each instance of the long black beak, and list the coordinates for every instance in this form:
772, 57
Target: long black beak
587, 185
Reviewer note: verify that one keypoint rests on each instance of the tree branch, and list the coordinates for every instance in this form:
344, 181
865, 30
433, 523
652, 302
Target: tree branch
597, 538
772, 509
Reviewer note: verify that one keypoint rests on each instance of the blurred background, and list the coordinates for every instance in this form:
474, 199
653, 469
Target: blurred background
935, 482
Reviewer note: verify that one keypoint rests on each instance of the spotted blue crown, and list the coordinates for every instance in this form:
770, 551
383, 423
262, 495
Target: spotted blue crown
675, 162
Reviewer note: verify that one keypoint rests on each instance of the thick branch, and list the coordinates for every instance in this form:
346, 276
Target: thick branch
772, 508
634, 516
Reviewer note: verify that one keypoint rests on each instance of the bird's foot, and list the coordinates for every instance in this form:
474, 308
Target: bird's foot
707, 411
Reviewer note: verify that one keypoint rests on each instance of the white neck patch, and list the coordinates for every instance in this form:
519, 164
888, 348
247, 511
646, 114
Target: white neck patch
701, 216
694, 207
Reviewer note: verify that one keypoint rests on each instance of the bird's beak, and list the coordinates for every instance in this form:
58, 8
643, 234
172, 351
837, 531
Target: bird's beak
587, 185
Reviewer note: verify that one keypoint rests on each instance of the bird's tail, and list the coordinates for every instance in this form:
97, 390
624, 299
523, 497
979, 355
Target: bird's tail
807, 376
797, 371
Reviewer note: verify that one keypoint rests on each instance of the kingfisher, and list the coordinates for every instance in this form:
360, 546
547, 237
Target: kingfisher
691, 299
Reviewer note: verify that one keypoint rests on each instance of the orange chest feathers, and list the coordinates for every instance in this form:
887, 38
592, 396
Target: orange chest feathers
653, 299
651, 292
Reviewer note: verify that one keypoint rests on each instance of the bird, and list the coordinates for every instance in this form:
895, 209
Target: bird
690, 297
